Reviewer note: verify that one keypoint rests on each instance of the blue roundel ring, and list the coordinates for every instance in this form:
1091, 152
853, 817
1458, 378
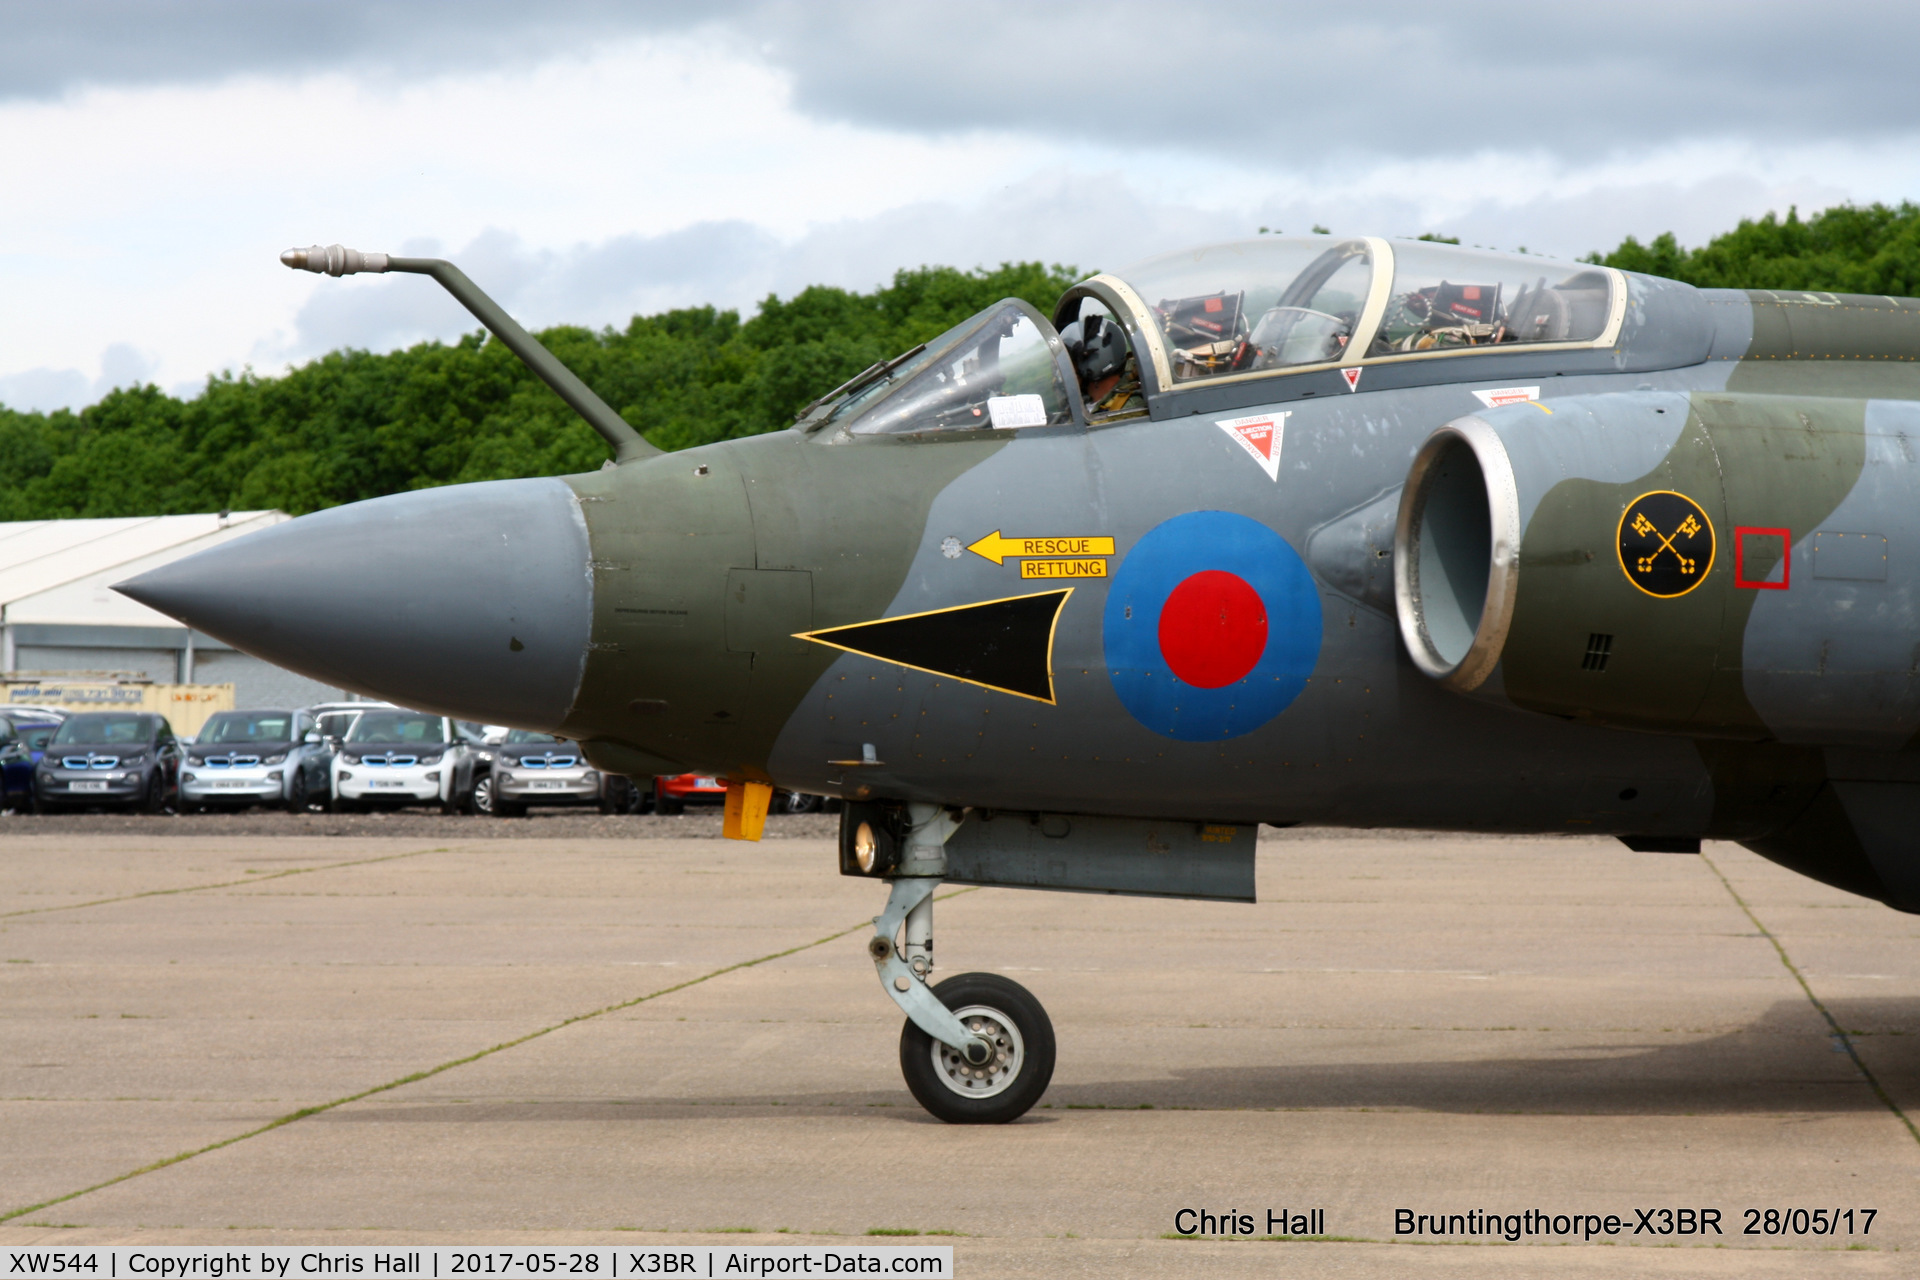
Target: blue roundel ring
1170, 554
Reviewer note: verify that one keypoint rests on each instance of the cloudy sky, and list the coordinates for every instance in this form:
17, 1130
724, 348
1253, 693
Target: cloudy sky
586, 159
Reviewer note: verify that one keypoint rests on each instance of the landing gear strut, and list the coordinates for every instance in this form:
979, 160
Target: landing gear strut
978, 1048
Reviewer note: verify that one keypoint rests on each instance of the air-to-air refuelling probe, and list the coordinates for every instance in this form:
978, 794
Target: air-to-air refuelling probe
1290, 530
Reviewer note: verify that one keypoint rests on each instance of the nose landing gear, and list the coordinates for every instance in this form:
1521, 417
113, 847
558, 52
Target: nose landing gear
978, 1048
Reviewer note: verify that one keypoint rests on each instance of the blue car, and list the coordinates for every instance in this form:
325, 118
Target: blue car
24, 734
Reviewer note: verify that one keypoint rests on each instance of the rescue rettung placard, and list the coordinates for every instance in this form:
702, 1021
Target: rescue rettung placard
1082, 556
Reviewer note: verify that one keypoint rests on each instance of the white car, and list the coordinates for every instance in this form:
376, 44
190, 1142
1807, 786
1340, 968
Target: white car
392, 758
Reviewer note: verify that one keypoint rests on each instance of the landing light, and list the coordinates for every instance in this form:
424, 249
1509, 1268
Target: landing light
869, 839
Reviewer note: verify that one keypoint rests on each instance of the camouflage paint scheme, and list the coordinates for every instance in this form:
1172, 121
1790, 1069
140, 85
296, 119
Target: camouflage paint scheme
1784, 719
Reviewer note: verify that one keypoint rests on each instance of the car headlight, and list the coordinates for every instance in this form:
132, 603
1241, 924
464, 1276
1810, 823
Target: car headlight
137, 758
432, 759
196, 760
278, 757
348, 757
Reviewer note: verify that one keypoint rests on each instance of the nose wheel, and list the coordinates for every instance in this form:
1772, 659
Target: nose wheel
1007, 1017
977, 1048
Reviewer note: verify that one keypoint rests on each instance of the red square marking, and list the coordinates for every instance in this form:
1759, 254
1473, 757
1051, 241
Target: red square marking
1740, 535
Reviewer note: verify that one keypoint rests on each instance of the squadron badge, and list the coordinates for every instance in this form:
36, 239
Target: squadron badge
1666, 543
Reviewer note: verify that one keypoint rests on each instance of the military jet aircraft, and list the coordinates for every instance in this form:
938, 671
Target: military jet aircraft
1353, 532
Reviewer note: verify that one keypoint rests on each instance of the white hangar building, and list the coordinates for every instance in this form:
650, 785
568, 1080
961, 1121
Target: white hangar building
58, 612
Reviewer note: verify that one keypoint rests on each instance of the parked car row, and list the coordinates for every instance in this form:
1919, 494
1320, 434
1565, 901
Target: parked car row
344, 757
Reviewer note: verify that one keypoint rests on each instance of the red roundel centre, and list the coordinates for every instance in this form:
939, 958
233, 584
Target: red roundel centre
1213, 629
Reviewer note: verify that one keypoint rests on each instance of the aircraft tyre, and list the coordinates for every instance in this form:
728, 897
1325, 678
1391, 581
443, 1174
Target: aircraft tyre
1006, 1014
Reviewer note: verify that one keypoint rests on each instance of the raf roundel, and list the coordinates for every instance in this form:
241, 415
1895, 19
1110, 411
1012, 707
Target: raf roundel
1212, 627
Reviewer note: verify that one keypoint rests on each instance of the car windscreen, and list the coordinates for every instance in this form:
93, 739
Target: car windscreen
248, 726
398, 726
101, 728
528, 735
335, 724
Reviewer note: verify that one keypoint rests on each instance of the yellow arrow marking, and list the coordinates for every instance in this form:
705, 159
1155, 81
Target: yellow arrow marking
998, 549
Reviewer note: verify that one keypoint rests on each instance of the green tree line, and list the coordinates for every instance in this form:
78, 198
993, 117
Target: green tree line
355, 425
1845, 249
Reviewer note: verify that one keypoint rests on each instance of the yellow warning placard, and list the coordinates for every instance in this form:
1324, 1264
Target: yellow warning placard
1084, 568
999, 548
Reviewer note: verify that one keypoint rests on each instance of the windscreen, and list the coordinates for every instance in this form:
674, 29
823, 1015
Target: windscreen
110, 730
248, 726
1255, 305
528, 735
999, 371
398, 726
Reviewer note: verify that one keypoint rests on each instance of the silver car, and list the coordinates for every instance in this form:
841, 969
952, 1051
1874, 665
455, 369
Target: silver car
242, 758
537, 768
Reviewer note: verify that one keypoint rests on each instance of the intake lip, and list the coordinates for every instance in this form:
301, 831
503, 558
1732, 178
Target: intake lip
474, 601
1456, 551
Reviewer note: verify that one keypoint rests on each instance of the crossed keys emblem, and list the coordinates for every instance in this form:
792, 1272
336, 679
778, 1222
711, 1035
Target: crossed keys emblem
1666, 543
1644, 526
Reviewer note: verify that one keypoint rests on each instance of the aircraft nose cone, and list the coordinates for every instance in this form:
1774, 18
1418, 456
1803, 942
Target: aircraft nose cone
474, 600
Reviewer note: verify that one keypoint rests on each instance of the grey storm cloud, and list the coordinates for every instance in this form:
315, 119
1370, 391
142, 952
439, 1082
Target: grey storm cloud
1283, 82
50, 49
1276, 84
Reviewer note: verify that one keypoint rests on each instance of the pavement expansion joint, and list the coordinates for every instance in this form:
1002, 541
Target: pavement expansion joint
429, 1072
1840, 1034
224, 884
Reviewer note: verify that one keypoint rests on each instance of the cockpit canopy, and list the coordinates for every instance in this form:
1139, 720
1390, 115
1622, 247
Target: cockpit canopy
1244, 310
1002, 369
1256, 305
1290, 301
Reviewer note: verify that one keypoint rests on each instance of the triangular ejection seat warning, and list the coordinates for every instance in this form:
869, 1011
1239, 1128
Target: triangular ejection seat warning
998, 644
1261, 436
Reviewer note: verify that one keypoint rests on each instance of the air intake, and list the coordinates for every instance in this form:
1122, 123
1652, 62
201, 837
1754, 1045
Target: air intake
1456, 554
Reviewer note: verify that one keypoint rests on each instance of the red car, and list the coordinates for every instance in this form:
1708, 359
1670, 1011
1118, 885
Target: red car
670, 795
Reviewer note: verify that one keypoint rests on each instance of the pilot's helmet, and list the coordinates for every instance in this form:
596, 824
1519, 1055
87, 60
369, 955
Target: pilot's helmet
1097, 347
